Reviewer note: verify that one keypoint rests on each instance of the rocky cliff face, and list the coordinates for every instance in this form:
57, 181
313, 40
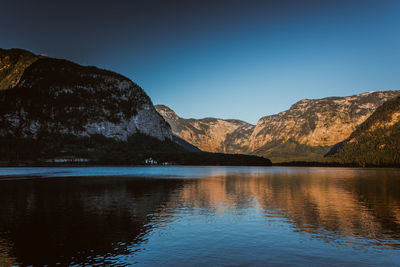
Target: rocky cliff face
210, 134
304, 132
376, 141
310, 127
56, 96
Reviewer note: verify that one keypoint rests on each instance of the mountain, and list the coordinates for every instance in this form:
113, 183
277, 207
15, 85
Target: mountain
376, 142
54, 110
59, 96
304, 132
62, 109
210, 134
311, 126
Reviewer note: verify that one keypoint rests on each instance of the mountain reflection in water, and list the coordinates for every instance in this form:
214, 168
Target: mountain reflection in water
238, 216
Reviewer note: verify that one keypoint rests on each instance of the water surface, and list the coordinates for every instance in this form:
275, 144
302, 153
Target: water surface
174, 216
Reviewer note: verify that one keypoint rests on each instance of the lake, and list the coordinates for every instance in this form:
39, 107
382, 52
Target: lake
199, 216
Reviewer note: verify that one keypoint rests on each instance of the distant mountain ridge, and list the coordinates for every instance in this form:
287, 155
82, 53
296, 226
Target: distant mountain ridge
311, 126
209, 134
304, 132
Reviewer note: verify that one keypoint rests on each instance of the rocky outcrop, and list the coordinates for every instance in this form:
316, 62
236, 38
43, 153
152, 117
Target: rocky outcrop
304, 132
13, 63
210, 134
376, 141
55, 96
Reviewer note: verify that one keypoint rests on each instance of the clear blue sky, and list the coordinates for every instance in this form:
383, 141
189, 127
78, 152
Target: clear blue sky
228, 59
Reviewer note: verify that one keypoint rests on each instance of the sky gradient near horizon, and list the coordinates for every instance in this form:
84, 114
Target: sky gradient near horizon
229, 59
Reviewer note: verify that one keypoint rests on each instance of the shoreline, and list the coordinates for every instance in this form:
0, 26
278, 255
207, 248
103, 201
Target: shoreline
280, 164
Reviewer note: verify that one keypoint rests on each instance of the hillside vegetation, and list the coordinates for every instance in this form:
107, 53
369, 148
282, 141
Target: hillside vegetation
97, 149
376, 142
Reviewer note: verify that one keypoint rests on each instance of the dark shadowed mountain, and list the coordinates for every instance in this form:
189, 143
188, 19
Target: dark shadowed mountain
59, 96
53, 110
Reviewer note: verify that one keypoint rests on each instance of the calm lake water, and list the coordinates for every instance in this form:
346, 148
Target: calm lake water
199, 216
